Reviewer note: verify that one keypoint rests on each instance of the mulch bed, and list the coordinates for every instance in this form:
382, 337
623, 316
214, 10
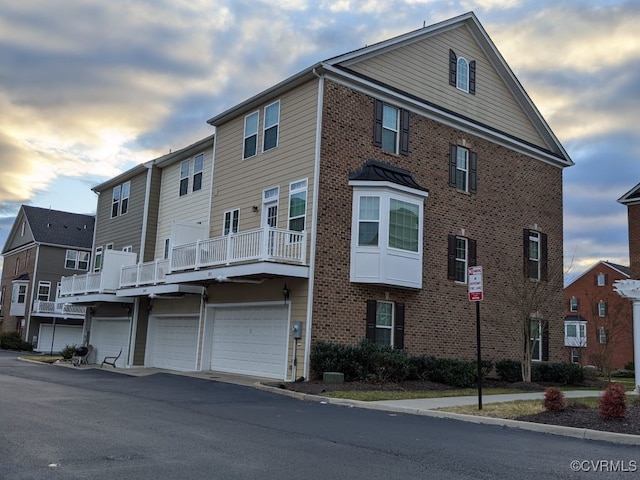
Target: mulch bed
576, 414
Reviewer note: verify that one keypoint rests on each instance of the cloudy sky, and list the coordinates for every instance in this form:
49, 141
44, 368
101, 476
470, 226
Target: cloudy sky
89, 89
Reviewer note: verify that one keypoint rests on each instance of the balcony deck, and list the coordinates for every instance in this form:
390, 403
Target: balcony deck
57, 309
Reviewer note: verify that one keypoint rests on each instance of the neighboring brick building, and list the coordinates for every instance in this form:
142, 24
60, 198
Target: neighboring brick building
598, 322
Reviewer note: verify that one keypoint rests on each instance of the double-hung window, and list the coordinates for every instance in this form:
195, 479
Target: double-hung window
603, 335
575, 334
461, 252
535, 254
198, 166
76, 260
602, 308
574, 304
391, 128
184, 177
368, 221
19, 292
601, 279
297, 205
271, 124
385, 323
120, 199
231, 221
403, 225
250, 146
97, 260
463, 169
44, 291
536, 339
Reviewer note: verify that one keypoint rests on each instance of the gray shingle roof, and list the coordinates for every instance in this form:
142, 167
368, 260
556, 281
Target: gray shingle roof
60, 228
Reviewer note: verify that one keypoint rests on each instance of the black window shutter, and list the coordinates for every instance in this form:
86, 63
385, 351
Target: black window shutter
377, 125
543, 257
371, 320
472, 77
545, 341
473, 172
595, 280
452, 164
577, 304
398, 327
606, 279
404, 135
472, 252
525, 251
605, 308
451, 257
453, 67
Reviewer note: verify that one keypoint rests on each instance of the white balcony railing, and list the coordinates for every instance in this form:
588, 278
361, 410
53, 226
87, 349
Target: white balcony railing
80, 284
262, 244
58, 308
149, 273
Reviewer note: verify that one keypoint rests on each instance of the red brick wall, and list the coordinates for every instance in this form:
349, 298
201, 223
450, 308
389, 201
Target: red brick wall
633, 214
514, 192
619, 318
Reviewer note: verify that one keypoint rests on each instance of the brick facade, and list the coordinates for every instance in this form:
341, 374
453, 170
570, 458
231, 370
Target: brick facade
618, 321
25, 261
515, 192
633, 217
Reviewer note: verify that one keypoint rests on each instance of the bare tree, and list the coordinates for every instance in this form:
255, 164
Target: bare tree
532, 303
611, 326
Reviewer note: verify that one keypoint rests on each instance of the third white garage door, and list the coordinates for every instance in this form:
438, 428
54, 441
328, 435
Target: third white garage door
108, 337
172, 342
250, 340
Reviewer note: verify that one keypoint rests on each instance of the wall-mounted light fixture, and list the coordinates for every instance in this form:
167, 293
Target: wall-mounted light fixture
285, 293
255, 209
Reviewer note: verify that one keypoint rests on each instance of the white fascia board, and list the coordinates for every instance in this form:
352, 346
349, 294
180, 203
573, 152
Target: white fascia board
389, 186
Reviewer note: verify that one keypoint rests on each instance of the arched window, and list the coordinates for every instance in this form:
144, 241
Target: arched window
462, 74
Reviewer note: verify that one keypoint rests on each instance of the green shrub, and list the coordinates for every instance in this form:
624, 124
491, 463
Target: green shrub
563, 373
509, 371
554, 400
613, 402
629, 366
12, 341
68, 351
623, 374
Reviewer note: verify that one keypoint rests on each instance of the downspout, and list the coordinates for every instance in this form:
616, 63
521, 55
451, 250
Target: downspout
314, 224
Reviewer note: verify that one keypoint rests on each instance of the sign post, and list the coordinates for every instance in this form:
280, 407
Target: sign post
476, 294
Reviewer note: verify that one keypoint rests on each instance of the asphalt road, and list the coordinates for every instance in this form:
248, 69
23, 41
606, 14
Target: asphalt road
61, 423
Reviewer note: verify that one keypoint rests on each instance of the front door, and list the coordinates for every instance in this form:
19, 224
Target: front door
270, 215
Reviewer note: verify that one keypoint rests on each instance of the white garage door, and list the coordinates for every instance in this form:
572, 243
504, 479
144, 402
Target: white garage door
64, 335
172, 342
250, 341
108, 336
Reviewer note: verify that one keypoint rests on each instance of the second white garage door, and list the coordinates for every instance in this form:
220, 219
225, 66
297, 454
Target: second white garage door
250, 340
172, 342
62, 336
108, 336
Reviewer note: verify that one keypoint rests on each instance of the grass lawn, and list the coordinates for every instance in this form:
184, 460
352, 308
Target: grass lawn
43, 358
378, 395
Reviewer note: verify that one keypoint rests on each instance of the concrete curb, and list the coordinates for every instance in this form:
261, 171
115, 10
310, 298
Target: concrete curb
582, 433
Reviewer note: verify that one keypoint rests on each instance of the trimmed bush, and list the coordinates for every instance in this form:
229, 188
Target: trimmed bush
629, 366
613, 402
509, 371
554, 400
563, 373
68, 351
12, 341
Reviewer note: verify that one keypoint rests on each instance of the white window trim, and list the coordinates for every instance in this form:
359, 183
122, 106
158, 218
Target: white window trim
464, 86
386, 327
270, 197
128, 249
603, 335
201, 172
578, 340
82, 253
265, 127
67, 259
245, 136
184, 176
536, 356
98, 255
573, 304
297, 187
601, 280
602, 308
235, 212
464, 170
15, 292
48, 286
396, 146
535, 237
123, 197
465, 259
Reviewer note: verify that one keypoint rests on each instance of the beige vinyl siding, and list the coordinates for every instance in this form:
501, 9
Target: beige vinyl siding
123, 230
192, 207
152, 215
239, 183
189, 305
422, 69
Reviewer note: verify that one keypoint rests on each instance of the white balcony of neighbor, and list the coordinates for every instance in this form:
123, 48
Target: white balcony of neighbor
57, 309
265, 250
104, 282
148, 273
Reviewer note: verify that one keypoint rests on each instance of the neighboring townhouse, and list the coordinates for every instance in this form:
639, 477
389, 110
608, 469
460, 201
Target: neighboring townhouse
42, 246
597, 321
348, 201
140, 215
